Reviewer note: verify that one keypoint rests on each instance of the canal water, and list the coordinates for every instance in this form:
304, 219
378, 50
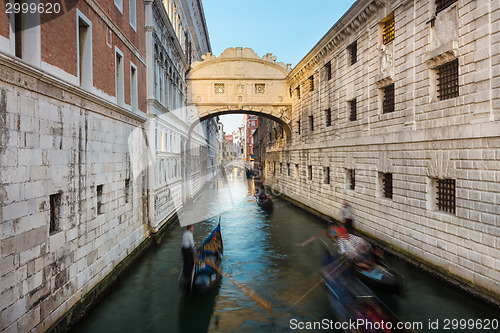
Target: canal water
261, 252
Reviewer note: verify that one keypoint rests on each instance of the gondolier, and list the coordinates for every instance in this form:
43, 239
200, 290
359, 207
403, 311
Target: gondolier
187, 250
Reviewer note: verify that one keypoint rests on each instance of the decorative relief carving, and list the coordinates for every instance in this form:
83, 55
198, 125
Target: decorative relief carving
442, 164
386, 60
260, 88
240, 88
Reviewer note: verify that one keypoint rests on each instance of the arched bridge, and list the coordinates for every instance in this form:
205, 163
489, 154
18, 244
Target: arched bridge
238, 81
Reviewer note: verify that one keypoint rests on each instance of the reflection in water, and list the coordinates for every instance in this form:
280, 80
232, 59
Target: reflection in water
260, 251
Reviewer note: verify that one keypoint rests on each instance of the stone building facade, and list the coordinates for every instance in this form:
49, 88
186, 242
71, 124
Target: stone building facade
397, 110
75, 167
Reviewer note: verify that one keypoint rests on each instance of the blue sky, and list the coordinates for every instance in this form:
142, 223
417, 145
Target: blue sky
287, 29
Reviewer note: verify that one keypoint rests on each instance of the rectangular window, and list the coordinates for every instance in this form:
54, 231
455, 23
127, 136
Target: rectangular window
352, 110
219, 88
351, 178
310, 172
443, 4
387, 185
297, 170
288, 169
281, 168
84, 53
326, 175
18, 30
55, 201
388, 95
274, 168
297, 92
328, 116
310, 81
134, 102
119, 78
260, 88
353, 53
298, 127
99, 199
445, 195
311, 123
388, 30
127, 189
132, 13
328, 71
447, 78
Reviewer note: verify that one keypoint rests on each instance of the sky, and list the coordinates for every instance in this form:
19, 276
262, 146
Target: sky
287, 29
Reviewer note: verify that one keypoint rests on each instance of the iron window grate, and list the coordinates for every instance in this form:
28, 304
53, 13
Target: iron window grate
388, 34
298, 127
352, 109
353, 52
443, 4
311, 83
352, 178
446, 195
387, 185
448, 80
310, 172
328, 117
311, 123
327, 175
388, 105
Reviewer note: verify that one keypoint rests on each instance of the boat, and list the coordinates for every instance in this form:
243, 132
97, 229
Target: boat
208, 257
378, 274
265, 203
354, 303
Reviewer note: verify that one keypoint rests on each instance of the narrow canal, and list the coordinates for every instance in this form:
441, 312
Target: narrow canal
260, 251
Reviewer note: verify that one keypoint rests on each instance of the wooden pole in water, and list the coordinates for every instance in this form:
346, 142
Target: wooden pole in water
259, 300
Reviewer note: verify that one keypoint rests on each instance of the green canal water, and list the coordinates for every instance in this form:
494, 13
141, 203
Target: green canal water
260, 251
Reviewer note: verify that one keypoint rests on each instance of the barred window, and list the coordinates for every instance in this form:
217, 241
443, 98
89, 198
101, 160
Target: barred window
388, 104
447, 77
297, 91
260, 88
298, 126
443, 4
388, 31
352, 110
219, 88
274, 168
387, 185
351, 178
310, 172
310, 81
328, 71
288, 169
328, 115
281, 168
353, 53
297, 170
445, 195
311, 123
327, 175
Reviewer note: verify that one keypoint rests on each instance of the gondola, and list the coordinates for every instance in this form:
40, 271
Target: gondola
380, 276
266, 203
204, 276
354, 302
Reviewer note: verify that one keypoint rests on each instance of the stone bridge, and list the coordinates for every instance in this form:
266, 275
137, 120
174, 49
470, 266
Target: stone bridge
239, 81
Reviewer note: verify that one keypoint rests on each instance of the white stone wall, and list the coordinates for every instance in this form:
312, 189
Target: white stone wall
57, 142
422, 140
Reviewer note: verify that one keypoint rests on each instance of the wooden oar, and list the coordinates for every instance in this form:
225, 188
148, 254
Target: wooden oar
259, 300
304, 243
344, 267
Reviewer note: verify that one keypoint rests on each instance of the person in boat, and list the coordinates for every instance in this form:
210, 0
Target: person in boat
187, 250
364, 258
347, 215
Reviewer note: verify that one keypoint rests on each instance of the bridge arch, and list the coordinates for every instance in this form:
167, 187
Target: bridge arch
239, 81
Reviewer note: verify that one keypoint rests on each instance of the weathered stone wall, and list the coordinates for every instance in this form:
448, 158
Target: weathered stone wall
424, 139
54, 141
